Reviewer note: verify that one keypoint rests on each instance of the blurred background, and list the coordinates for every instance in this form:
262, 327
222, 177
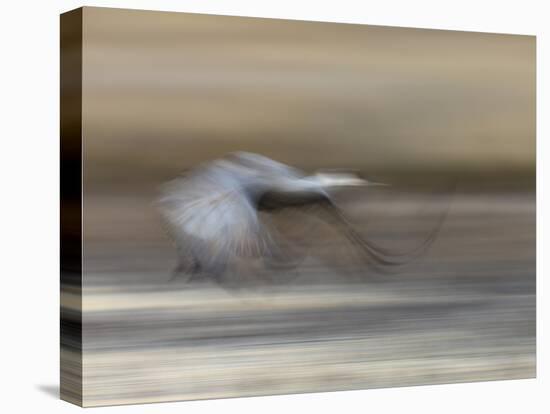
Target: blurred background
163, 92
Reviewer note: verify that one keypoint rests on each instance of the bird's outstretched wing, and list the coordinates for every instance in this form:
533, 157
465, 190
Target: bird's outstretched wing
212, 225
212, 218
224, 238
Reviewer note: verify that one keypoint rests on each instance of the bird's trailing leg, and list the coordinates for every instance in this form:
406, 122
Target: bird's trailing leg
187, 269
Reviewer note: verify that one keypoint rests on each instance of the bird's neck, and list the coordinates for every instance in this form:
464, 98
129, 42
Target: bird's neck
306, 184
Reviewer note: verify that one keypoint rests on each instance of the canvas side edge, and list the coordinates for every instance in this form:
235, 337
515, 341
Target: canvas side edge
71, 206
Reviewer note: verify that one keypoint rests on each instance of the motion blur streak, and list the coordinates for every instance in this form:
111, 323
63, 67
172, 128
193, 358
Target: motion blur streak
418, 109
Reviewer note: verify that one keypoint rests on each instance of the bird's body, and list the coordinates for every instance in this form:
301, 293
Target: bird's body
213, 213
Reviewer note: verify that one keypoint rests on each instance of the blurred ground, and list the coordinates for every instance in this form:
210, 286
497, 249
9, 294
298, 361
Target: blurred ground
463, 312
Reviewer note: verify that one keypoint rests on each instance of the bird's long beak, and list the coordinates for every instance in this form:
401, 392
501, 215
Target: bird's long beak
369, 183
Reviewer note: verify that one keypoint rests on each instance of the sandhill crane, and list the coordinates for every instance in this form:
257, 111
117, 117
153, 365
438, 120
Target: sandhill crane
213, 213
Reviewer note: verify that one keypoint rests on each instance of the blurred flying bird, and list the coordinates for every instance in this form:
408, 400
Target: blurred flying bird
214, 215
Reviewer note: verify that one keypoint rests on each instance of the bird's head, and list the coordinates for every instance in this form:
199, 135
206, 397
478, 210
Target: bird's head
343, 179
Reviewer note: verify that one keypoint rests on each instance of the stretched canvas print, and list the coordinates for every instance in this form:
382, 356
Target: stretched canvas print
258, 206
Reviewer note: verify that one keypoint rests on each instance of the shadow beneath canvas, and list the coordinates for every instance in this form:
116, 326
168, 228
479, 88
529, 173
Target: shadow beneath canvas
51, 390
